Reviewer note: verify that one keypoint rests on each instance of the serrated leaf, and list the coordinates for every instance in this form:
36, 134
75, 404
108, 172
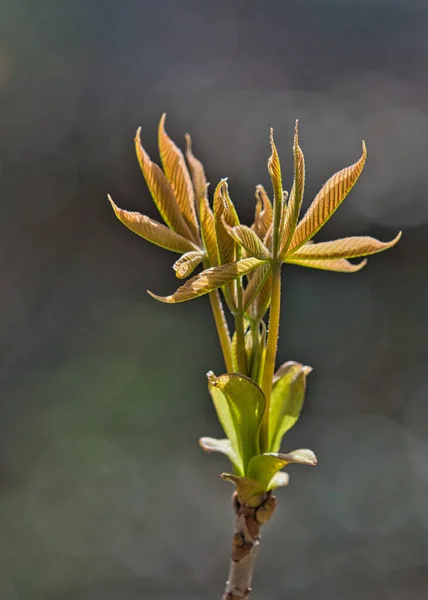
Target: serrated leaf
161, 191
340, 265
239, 403
209, 444
224, 212
187, 263
246, 238
210, 280
288, 394
350, 247
263, 213
274, 168
257, 280
327, 201
175, 169
197, 171
153, 232
296, 196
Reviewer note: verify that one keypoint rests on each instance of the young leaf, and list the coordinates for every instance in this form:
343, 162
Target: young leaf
264, 467
340, 265
249, 490
327, 201
280, 479
210, 280
286, 402
161, 191
246, 238
187, 263
296, 196
209, 444
239, 403
255, 285
153, 232
224, 213
263, 214
198, 173
175, 169
350, 247
274, 168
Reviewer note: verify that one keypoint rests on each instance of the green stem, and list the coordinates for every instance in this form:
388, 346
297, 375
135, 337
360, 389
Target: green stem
240, 331
222, 329
271, 348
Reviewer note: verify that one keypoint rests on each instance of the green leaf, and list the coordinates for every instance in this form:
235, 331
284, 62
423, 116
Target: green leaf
209, 444
286, 402
239, 403
210, 280
249, 490
153, 232
264, 467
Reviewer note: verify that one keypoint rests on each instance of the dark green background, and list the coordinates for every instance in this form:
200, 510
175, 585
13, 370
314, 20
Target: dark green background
104, 493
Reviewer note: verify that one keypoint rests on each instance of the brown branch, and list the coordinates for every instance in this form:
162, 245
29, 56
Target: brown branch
245, 544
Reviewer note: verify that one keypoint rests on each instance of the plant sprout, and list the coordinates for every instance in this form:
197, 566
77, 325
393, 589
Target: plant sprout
241, 269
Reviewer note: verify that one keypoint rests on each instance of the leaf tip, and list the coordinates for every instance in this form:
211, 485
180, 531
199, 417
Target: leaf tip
164, 299
307, 370
212, 379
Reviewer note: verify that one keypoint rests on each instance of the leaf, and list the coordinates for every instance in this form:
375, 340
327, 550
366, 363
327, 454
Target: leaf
340, 265
153, 232
274, 168
198, 173
175, 169
327, 201
249, 490
209, 280
296, 196
187, 263
255, 285
264, 467
209, 444
350, 247
224, 212
279, 480
263, 214
239, 403
246, 238
286, 402
161, 191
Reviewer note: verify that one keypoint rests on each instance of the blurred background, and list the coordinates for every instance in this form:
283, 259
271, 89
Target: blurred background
104, 493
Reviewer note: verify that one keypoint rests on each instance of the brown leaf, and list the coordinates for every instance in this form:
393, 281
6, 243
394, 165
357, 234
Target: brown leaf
161, 191
153, 232
187, 263
246, 238
255, 285
208, 232
296, 196
327, 201
350, 247
263, 213
341, 265
210, 280
224, 212
175, 169
198, 173
274, 168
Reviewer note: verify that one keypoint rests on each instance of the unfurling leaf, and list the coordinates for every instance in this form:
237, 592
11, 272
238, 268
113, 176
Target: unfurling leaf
340, 265
239, 403
264, 467
224, 212
153, 232
249, 490
210, 280
175, 169
288, 394
246, 238
187, 263
161, 191
209, 444
274, 168
255, 294
263, 214
198, 173
327, 201
296, 196
350, 247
